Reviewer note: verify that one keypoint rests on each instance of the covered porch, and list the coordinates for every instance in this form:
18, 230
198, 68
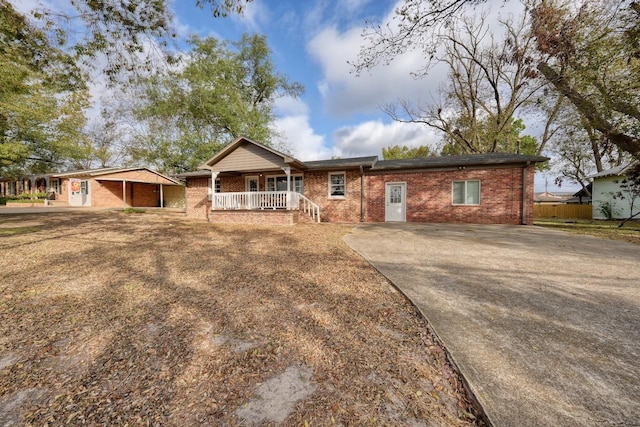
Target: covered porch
250, 177
265, 200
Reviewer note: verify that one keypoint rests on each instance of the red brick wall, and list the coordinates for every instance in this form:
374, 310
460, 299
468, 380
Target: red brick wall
429, 196
316, 188
64, 190
232, 184
145, 195
277, 217
108, 194
197, 200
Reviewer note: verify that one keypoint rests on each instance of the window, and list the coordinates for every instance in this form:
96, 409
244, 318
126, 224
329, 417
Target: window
337, 181
466, 192
216, 188
279, 183
84, 187
54, 185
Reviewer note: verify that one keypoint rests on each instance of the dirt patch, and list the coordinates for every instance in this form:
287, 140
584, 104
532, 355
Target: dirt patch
276, 398
154, 320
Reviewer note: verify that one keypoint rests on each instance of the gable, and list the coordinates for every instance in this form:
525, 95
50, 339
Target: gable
247, 157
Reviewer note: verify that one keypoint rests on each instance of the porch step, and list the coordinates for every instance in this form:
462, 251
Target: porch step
58, 203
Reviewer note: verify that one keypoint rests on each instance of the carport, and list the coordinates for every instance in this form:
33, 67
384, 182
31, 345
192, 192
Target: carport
117, 187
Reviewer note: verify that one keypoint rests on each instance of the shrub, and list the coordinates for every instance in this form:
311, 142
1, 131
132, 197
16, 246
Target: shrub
607, 209
133, 210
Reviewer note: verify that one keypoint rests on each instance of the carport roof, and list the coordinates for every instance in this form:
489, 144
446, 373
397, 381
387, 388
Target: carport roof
111, 174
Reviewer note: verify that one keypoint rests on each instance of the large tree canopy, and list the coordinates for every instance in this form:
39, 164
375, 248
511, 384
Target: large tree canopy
131, 34
224, 90
42, 96
590, 54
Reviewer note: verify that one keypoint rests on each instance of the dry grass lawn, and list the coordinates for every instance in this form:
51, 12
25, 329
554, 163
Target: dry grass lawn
609, 230
151, 319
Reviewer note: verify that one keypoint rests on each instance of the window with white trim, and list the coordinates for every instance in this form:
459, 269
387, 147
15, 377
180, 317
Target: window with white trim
337, 185
279, 183
216, 188
466, 192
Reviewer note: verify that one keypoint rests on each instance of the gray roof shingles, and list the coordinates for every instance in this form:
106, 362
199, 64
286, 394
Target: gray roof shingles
457, 161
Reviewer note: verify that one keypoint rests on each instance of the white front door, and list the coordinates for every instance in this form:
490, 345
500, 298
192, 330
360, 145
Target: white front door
79, 192
395, 202
251, 183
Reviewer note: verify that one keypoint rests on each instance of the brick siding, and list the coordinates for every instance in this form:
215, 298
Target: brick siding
197, 200
106, 194
429, 196
316, 188
271, 217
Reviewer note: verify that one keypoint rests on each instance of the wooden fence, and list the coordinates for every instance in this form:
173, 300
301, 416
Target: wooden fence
563, 211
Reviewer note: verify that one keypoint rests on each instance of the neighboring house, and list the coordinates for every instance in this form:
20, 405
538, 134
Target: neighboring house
605, 185
106, 187
583, 196
547, 198
28, 184
252, 183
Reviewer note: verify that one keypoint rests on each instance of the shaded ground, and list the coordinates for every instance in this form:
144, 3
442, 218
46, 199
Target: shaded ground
108, 318
544, 325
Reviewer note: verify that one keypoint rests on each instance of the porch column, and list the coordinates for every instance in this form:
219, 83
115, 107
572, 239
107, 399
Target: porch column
124, 194
161, 197
212, 190
287, 170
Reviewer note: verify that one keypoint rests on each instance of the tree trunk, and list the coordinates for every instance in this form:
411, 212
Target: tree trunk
588, 110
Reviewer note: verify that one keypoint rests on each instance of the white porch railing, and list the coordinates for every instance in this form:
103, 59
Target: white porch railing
261, 200
308, 207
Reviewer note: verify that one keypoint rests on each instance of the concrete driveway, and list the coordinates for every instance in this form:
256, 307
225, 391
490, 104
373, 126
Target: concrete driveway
544, 325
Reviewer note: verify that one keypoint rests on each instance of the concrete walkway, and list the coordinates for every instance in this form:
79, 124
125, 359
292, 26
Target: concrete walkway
545, 326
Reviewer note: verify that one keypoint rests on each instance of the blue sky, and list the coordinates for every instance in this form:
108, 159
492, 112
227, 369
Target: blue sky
312, 42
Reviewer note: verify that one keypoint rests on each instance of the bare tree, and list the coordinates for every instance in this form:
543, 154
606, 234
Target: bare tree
587, 51
491, 79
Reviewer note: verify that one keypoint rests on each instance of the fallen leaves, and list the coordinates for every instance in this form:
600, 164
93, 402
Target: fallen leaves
124, 320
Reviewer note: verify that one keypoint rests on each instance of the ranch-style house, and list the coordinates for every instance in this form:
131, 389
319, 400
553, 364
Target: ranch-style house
249, 182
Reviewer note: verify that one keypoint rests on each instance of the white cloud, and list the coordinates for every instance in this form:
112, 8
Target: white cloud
301, 139
368, 138
296, 131
289, 106
353, 5
345, 93
253, 15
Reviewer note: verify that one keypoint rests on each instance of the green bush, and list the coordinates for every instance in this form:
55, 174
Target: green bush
133, 210
28, 196
25, 201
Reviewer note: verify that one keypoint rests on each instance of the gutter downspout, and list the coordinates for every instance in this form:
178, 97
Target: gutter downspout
362, 194
524, 193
